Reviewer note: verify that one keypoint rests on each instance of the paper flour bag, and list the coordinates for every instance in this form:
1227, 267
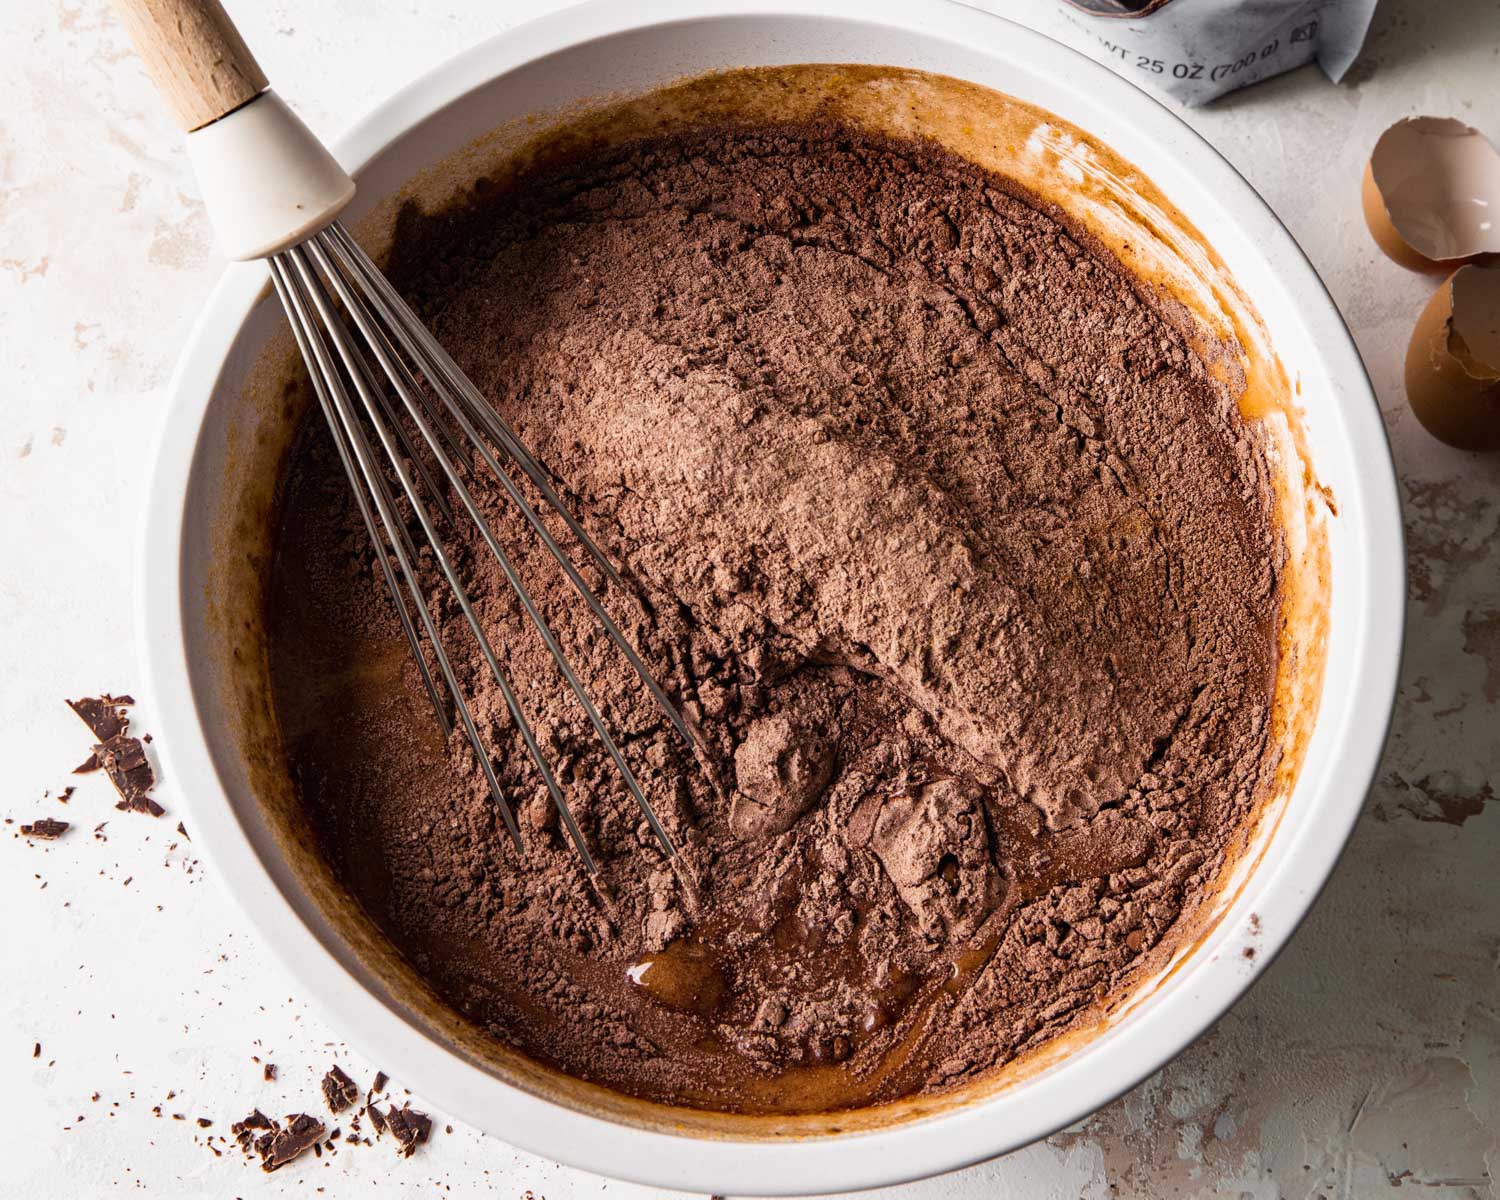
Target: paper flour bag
1195, 50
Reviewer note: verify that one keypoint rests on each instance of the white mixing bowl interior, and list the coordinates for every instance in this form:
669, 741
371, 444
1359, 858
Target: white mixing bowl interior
204, 543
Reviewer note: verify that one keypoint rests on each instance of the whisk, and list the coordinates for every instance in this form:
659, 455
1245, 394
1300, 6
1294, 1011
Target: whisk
274, 192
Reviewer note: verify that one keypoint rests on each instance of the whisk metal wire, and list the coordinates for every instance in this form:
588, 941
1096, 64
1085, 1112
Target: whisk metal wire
317, 278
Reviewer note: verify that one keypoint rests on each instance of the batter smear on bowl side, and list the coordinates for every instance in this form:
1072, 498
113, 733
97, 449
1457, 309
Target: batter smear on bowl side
957, 558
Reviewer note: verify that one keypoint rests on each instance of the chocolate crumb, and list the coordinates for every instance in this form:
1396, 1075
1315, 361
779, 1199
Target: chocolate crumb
36, 1050
377, 1119
269, 1073
204, 1123
339, 1091
47, 829
183, 831
381, 1079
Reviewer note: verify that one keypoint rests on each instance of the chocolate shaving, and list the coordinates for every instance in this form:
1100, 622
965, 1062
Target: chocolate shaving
409, 1127
124, 760
47, 829
339, 1091
102, 715
121, 756
142, 804
302, 1132
244, 1130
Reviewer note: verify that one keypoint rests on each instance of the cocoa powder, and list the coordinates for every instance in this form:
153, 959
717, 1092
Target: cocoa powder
957, 559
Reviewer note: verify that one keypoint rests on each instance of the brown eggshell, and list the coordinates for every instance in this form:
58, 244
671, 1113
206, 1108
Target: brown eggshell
1431, 194
1453, 361
1379, 223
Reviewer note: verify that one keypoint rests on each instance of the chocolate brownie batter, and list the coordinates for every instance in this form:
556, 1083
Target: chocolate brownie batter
958, 561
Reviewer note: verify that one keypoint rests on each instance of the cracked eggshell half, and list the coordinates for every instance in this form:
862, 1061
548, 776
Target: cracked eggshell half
1431, 193
1453, 361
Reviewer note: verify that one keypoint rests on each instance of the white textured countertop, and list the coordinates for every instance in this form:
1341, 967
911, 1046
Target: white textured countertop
1368, 1057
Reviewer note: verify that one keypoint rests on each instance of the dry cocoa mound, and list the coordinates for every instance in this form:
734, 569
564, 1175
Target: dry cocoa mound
957, 559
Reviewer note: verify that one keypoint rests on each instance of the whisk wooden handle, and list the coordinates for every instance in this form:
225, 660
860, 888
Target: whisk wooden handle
197, 58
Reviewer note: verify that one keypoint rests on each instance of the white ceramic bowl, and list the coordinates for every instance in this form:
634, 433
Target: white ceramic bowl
617, 47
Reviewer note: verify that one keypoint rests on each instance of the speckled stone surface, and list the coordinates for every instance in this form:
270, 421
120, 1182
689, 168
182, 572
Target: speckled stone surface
1368, 1056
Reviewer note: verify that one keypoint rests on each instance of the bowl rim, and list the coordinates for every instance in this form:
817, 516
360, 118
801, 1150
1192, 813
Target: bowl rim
905, 1151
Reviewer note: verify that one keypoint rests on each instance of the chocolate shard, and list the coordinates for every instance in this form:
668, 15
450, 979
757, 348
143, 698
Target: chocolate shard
244, 1129
409, 1127
46, 829
124, 761
269, 1074
339, 1091
377, 1118
381, 1079
121, 756
102, 715
301, 1133
121, 753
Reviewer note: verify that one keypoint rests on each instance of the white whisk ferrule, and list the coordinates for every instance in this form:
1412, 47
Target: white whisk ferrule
267, 181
